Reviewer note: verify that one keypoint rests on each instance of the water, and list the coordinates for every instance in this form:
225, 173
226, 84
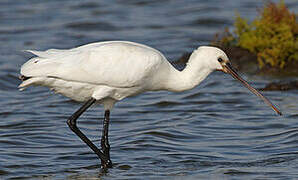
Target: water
218, 130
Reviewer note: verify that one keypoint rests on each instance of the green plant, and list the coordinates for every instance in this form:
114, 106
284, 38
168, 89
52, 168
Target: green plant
272, 36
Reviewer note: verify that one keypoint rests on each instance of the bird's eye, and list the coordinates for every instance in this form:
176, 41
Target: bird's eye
220, 59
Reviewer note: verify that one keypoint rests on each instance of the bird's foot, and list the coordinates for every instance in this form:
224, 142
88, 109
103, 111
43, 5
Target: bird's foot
106, 165
105, 148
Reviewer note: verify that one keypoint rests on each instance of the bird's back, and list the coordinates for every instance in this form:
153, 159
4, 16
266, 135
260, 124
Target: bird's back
113, 63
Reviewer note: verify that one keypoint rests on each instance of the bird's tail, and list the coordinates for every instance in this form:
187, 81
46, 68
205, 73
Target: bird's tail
43, 65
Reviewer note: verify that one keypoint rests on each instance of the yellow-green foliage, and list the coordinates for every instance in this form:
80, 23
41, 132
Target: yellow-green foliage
273, 36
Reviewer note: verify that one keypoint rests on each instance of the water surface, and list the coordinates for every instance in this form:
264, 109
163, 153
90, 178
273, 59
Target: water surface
216, 131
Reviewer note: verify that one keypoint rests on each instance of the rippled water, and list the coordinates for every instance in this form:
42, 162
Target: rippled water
216, 131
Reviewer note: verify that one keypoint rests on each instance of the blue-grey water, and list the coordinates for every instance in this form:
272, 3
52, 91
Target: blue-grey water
218, 130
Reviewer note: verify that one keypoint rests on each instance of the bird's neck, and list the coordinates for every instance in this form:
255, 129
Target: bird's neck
192, 75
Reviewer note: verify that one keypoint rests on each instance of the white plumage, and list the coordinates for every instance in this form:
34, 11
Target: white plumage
110, 71
107, 72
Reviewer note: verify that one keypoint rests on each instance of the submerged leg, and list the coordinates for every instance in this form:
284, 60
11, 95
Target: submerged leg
105, 146
72, 123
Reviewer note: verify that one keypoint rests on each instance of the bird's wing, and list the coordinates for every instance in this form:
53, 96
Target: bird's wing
114, 64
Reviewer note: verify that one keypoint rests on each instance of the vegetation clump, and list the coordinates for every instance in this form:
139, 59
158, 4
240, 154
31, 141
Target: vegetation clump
272, 37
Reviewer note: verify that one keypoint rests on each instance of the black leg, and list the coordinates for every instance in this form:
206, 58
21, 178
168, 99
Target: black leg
72, 123
105, 146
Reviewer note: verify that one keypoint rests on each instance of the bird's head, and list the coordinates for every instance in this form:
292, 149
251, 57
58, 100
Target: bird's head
216, 60
213, 58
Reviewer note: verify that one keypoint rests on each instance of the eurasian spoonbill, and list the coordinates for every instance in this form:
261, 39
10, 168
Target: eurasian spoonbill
107, 72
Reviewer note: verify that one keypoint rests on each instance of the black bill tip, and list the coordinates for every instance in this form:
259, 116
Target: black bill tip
230, 70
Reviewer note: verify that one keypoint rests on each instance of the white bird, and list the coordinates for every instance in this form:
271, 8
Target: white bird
107, 72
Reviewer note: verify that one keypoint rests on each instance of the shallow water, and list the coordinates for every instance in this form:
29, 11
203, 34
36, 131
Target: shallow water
216, 131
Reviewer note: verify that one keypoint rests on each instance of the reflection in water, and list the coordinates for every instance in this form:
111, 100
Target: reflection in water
216, 130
